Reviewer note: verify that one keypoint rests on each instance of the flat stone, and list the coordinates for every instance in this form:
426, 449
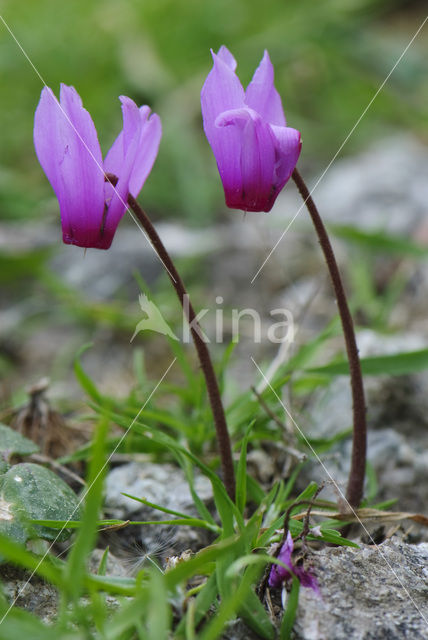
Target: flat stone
371, 593
161, 484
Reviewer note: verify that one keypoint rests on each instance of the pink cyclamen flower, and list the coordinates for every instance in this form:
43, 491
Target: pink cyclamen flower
278, 575
255, 151
67, 147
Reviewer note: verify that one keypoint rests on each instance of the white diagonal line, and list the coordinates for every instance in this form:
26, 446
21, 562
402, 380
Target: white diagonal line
351, 509
125, 204
341, 146
88, 489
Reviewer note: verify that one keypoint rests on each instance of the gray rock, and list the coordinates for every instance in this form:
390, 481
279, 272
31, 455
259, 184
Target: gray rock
166, 486
400, 468
30, 593
114, 566
372, 593
371, 343
33, 594
397, 418
162, 484
383, 188
101, 274
331, 408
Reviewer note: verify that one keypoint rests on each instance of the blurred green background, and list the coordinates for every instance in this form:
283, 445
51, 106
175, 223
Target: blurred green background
330, 56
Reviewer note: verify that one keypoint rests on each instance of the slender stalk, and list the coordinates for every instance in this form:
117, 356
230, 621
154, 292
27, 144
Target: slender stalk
222, 432
354, 492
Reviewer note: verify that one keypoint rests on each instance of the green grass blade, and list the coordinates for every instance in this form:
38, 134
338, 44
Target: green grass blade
82, 377
241, 475
201, 561
102, 569
397, 364
42, 566
76, 565
22, 624
158, 608
203, 601
157, 507
380, 241
291, 611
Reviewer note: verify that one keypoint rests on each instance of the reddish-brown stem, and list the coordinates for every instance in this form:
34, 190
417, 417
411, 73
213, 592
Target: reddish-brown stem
355, 487
222, 432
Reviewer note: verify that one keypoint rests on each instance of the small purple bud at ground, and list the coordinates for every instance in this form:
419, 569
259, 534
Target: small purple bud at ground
279, 575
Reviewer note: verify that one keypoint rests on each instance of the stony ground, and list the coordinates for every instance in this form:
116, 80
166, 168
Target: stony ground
368, 594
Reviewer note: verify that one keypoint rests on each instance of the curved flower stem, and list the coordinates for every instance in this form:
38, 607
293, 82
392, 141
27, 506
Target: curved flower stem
355, 487
222, 432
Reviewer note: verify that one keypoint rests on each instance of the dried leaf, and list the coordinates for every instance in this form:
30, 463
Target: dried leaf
367, 514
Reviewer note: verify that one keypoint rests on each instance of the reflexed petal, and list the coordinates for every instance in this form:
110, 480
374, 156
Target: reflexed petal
288, 145
262, 96
147, 151
132, 120
49, 145
82, 171
151, 132
113, 162
223, 91
129, 142
225, 55
67, 147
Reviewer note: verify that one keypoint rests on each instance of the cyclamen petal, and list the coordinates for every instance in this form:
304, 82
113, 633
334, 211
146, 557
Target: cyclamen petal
67, 147
306, 579
222, 91
262, 96
131, 157
279, 574
257, 158
130, 141
225, 55
147, 151
255, 152
288, 144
